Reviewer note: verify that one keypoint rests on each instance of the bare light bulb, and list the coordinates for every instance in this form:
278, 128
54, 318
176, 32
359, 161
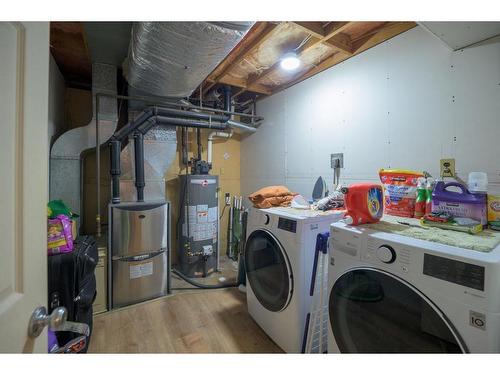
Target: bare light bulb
290, 61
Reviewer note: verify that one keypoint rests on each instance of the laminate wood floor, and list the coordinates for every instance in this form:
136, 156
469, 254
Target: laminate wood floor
208, 321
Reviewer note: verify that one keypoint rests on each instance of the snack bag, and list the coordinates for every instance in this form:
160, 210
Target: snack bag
400, 191
59, 237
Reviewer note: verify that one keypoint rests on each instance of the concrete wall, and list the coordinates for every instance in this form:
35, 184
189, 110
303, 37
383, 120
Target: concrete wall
405, 103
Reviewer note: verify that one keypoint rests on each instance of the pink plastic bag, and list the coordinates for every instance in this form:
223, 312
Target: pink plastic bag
59, 237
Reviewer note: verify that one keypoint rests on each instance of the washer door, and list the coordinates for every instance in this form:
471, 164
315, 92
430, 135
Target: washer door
372, 311
268, 270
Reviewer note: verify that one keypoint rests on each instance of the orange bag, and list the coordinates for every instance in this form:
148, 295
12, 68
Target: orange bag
400, 191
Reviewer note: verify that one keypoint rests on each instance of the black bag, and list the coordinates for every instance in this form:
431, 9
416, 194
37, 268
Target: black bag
72, 284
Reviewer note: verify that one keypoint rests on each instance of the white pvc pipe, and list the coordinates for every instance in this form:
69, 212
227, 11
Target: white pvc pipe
211, 137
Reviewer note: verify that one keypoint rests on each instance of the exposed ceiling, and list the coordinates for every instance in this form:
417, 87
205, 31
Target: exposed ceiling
76, 45
253, 65
69, 48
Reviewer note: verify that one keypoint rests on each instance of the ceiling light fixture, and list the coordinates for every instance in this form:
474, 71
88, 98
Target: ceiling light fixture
290, 61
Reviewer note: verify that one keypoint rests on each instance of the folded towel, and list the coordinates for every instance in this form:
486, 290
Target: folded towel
272, 196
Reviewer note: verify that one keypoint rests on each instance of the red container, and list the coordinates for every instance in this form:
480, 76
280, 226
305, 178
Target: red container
364, 203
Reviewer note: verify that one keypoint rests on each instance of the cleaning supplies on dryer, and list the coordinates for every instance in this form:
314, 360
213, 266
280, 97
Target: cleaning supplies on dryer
429, 188
478, 184
400, 188
420, 201
444, 220
462, 204
494, 211
364, 203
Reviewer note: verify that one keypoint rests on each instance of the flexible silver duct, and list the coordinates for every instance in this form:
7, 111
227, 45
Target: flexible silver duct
172, 58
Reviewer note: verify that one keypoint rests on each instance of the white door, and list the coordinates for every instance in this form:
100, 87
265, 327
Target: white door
24, 75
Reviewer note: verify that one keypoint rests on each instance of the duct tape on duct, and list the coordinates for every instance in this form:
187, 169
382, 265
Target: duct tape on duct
173, 58
160, 146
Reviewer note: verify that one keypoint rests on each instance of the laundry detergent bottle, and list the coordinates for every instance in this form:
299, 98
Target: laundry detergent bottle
364, 203
460, 203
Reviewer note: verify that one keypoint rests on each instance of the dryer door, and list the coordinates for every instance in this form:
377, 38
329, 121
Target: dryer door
372, 311
268, 270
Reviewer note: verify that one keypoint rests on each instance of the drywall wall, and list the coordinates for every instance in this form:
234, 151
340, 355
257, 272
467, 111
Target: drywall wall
56, 101
405, 103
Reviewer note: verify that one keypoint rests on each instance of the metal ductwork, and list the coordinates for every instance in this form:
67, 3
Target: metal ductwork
171, 59
160, 146
158, 125
65, 155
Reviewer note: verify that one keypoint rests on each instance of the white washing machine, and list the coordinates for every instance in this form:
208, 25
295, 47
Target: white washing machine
279, 256
394, 294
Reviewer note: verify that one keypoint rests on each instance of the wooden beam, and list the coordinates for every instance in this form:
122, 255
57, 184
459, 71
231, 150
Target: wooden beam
330, 35
341, 42
241, 82
334, 28
313, 28
254, 38
386, 32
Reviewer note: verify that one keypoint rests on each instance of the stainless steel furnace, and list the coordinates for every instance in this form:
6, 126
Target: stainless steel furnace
140, 255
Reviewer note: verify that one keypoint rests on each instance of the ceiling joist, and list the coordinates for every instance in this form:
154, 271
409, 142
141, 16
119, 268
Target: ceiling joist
384, 33
344, 39
254, 38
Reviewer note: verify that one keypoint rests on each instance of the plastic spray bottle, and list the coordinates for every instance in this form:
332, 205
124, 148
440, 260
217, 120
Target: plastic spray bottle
421, 200
429, 187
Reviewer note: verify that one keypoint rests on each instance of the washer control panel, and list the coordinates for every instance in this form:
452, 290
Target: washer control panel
380, 252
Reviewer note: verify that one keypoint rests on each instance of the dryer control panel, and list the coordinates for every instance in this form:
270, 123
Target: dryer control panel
377, 251
454, 271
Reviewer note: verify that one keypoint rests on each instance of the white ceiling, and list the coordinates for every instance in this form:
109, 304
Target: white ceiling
458, 35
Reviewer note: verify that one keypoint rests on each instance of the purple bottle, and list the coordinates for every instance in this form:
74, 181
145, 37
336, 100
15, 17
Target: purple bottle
459, 204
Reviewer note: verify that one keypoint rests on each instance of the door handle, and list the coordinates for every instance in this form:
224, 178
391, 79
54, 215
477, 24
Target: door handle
39, 319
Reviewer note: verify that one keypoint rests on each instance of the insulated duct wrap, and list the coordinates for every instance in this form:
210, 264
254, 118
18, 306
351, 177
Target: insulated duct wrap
172, 58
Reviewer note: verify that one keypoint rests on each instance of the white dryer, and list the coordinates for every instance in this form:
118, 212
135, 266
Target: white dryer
279, 256
394, 294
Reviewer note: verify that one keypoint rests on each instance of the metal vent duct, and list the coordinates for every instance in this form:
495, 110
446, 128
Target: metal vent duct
160, 147
65, 164
172, 58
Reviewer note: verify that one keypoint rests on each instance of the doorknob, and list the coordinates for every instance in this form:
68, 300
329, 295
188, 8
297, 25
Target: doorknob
39, 319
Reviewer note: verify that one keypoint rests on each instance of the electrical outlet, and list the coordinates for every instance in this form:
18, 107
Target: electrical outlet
337, 160
447, 167
227, 199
